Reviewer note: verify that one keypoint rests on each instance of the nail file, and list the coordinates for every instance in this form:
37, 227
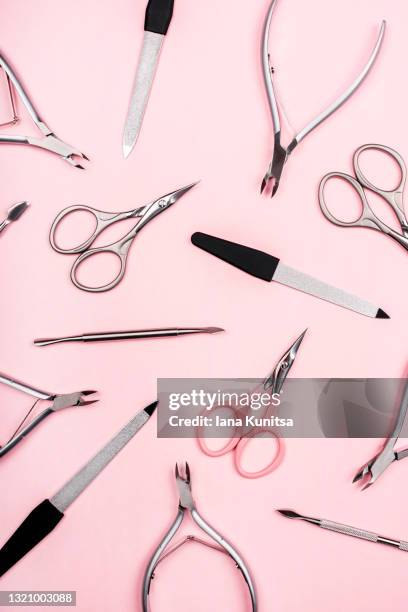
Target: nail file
42, 520
157, 21
270, 268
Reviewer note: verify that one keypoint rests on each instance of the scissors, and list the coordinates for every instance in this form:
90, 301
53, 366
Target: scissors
272, 384
368, 218
120, 248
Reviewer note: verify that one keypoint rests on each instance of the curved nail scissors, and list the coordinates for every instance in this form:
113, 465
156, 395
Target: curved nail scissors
49, 141
120, 248
186, 502
393, 197
242, 437
281, 153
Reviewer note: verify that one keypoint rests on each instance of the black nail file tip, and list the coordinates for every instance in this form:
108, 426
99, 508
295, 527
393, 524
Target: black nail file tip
150, 409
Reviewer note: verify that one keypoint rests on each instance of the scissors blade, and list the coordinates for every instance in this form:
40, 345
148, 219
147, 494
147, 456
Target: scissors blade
161, 204
278, 376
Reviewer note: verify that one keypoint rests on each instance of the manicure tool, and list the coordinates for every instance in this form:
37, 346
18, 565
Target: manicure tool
58, 402
272, 384
269, 268
187, 503
120, 249
13, 214
42, 520
157, 21
280, 153
130, 335
393, 197
346, 530
380, 462
49, 140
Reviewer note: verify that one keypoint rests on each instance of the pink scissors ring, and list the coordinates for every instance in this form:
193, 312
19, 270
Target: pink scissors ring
241, 437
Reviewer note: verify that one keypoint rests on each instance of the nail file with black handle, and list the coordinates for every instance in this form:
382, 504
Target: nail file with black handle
157, 21
42, 520
270, 268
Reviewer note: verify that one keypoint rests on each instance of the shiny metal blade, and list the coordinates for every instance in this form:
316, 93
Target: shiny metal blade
16, 211
146, 70
74, 487
303, 282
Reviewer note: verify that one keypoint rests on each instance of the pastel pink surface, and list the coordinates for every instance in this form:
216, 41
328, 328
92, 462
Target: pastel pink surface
207, 119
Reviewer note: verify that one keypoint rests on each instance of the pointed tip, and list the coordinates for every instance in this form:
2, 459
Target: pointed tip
126, 150
151, 408
381, 314
214, 330
176, 195
302, 335
288, 513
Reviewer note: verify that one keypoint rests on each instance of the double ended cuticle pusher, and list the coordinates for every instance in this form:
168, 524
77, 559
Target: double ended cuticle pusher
130, 335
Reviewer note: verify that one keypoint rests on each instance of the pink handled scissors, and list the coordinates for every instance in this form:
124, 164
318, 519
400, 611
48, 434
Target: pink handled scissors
241, 438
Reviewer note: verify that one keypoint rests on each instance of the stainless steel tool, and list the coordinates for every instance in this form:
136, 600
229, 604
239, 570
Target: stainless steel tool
120, 248
57, 402
157, 21
13, 214
373, 469
130, 335
49, 141
42, 520
280, 153
186, 502
360, 183
242, 436
346, 530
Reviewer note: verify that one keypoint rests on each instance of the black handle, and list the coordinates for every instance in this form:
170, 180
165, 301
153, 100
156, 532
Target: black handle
249, 260
38, 524
158, 16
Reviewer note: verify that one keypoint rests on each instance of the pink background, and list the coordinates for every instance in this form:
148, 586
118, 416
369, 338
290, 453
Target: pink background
207, 119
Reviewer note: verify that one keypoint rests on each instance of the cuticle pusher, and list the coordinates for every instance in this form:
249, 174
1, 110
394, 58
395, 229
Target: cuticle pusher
13, 214
130, 335
346, 530
46, 516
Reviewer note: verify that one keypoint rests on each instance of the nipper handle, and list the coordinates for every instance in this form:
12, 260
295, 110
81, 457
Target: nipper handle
158, 16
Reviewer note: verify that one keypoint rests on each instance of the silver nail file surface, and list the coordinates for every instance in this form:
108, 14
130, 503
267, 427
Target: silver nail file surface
303, 282
90, 471
149, 57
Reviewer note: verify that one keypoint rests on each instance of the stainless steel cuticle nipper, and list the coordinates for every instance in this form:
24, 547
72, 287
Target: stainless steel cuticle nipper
281, 153
49, 141
187, 503
58, 402
380, 462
